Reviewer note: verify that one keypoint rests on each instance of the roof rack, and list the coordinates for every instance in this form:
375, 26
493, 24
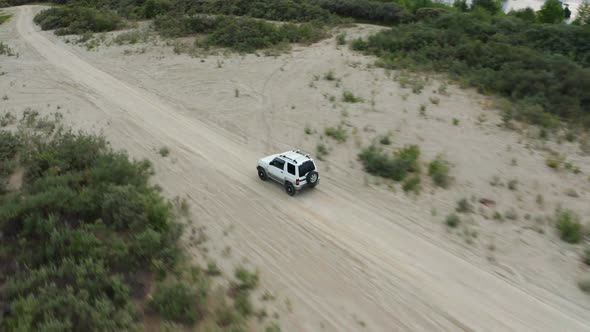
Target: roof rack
301, 153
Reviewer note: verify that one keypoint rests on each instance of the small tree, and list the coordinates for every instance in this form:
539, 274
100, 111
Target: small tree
583, 16
461, 5
492, 6
525, 14
551, 12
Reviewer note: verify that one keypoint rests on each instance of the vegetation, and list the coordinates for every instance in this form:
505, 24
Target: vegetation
5, 50
349, 97
544, 68
85, 222
586, 257
240, 34
463, 206
178, 302
322, 151
584, 285
77, 20
396, 167
4, 17
82, 231
164, 151
438, 169
569, 226
338, 133
583, 17
412, 183
453, 220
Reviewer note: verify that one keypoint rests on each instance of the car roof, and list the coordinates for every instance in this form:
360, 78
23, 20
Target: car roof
295, 156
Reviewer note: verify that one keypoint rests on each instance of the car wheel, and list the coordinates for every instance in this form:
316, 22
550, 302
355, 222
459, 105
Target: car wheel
312, 178
262, 174
290, 189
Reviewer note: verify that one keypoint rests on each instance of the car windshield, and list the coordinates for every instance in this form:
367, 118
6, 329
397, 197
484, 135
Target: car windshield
306, 167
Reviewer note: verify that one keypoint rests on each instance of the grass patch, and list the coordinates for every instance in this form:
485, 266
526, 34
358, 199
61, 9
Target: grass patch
132, 37
4, 18
164, 151
247, 280
412, 184
396, 167
349, 97
464, 206
385, 140
341, 39
338, 133
453, 220
6, 50
322, 151
586, 256
513, 184
438, 169
330, 76
511, 214
568, 225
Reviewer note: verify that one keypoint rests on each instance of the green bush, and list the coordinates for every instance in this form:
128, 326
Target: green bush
396, 167
438, 169
349, 97
77, 20
248, 280
9, 145
153, 8
177, 302
545, 68
247, 35
412, 183
277, 10
5, 50
453, 220
569, 226
239, 34
584, 285
84, 224
586, 256
366, 10
338, 133
463, 206
4, 17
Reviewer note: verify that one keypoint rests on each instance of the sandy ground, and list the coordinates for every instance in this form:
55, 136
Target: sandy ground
356, 253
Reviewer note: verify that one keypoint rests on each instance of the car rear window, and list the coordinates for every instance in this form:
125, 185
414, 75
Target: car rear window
306, 167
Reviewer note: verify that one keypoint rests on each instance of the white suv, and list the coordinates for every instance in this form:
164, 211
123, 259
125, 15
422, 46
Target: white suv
292, 169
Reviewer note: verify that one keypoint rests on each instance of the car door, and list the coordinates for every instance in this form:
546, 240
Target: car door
276, 170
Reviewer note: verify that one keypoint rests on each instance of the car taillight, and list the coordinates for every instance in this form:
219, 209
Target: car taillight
297, 182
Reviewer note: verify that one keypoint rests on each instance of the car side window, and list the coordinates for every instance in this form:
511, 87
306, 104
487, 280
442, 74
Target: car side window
278, 163
291, 168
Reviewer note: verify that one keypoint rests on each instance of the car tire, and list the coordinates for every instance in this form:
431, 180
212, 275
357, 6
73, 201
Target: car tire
312, 178
290, 189
262, 174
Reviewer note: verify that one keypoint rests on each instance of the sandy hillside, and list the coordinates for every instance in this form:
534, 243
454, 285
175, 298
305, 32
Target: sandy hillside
356, 253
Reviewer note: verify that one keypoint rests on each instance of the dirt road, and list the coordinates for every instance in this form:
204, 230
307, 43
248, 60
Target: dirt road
338, 258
